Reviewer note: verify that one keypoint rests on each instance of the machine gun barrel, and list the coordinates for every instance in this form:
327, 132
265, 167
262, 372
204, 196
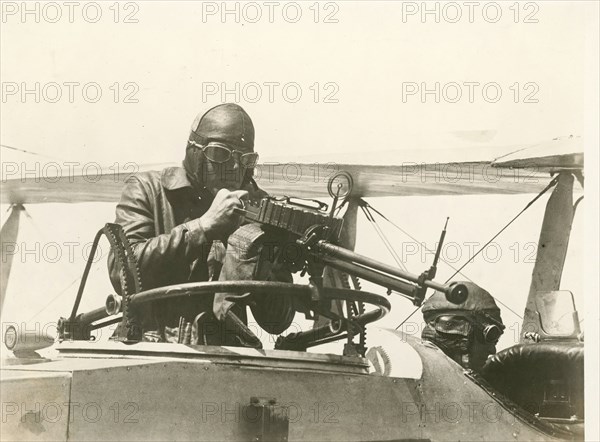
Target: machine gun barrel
381, 273
373, 276
347, 255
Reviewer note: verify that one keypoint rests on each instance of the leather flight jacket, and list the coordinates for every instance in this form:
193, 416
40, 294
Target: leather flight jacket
158, 212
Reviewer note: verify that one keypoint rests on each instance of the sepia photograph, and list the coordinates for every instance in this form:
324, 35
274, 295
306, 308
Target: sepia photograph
299, 220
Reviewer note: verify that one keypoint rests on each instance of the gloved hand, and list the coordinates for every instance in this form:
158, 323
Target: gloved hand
221, 220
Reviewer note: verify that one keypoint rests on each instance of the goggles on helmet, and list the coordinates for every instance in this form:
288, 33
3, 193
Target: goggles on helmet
220, 153
487, 331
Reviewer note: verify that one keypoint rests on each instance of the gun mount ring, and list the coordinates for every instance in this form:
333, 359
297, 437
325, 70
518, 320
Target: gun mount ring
263, 287
382, 305
298, 341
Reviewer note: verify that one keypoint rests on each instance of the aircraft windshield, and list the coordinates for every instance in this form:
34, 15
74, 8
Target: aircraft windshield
556, 311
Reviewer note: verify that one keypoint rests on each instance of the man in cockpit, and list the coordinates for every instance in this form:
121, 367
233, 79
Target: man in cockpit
179, 220
467, 332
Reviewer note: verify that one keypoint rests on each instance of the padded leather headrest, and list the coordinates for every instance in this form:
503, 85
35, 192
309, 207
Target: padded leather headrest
544, 357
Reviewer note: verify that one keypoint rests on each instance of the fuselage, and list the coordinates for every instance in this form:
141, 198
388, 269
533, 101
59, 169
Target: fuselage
149, 391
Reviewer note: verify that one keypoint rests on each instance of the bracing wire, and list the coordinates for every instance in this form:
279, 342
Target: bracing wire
441, 259
386, 242
529, 204
16, 149
411, 237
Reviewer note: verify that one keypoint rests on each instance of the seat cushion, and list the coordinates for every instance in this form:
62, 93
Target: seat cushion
525, 373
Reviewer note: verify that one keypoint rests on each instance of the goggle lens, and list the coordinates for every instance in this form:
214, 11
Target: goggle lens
249, 159
491, 334
462, 325
219, 153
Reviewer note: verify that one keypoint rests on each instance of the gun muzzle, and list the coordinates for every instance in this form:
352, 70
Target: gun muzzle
113, 304
456, 293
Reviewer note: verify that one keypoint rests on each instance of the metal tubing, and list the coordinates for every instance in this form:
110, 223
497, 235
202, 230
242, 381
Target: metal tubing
322, 334
93, 316
209, 288
106, 323
334, 251
86, 272
371, 275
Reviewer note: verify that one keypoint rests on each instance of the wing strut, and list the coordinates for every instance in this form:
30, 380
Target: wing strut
9, 233
552, 248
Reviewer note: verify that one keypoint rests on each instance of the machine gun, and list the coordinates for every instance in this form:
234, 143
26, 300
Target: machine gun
317, 231
314, 231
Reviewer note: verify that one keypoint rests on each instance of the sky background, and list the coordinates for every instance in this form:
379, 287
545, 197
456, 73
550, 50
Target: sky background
174, 49
177, 52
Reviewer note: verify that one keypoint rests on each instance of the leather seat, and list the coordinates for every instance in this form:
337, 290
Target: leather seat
527, 373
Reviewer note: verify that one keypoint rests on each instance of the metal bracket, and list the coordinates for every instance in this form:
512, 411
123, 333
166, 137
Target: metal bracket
420, 289
265, 420
73, 330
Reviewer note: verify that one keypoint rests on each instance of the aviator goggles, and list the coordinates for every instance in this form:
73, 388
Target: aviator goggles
488, 331
220, 153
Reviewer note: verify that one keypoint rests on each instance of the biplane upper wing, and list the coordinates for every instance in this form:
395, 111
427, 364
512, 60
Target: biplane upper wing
552, 156
480, 170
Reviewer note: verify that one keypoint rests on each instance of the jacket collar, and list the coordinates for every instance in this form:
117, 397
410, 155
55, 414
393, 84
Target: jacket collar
174, 178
